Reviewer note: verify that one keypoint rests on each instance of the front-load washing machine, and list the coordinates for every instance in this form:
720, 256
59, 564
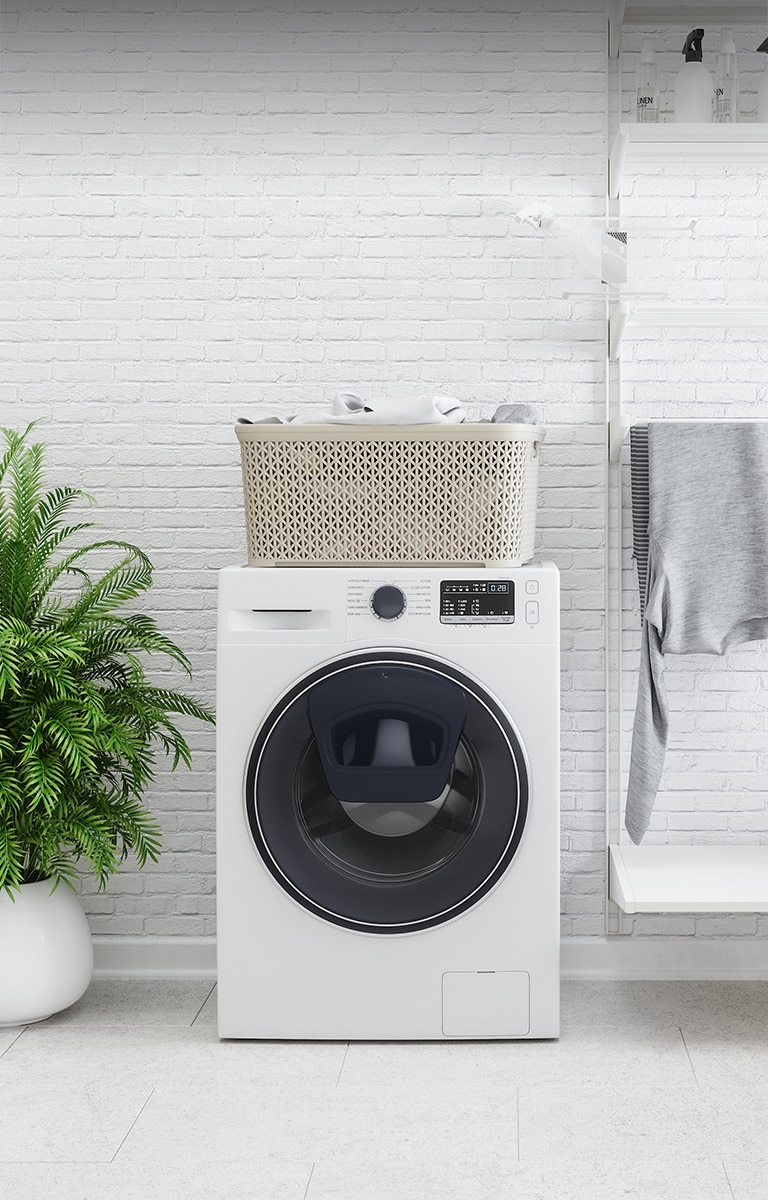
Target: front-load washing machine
387, 802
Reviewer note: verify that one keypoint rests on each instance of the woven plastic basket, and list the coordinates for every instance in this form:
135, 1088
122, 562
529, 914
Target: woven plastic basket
328, 495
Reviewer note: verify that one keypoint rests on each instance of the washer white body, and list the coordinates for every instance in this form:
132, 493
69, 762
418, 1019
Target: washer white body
285, 971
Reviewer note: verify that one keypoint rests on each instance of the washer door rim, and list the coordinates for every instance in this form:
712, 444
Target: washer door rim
494, 711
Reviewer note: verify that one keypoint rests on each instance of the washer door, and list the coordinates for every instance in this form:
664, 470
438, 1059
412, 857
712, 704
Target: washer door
387, 792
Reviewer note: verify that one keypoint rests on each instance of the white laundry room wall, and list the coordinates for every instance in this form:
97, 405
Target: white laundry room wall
215, 208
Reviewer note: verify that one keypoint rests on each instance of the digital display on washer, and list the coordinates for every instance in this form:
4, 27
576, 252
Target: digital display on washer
477, 601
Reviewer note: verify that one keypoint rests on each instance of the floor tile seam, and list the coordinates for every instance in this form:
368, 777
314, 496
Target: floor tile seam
343, 1063
591, 1166
187, 1068
690, 1060
10, 1045
622, 1091
346, 1088
94, 1023
133, 1124
627, 1160
159, 1083
168, 1077
123, 1165
309, 1181
55, 1162
139, 1164
730, 1035
728, 1181
202, 1006
572, 1031
504, 1090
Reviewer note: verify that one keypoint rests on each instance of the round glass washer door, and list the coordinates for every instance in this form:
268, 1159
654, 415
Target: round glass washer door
387, 866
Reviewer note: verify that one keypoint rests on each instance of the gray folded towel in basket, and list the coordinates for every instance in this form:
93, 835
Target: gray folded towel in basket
707, 570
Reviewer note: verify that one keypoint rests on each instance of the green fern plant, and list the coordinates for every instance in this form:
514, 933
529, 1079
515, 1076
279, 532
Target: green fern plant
80, 722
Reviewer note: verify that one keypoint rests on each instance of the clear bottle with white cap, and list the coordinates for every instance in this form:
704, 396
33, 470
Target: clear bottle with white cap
727, 80
647, 85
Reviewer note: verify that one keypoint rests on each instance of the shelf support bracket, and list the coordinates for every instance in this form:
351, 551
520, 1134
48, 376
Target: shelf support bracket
618, 428
616, 162
619, 318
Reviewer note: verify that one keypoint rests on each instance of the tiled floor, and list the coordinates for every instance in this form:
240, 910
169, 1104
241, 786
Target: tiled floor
655, 1091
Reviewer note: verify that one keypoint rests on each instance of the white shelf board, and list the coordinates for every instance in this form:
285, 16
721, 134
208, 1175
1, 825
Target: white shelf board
667, 879
679, 12
684, 143
638, 12
730, 316
626, 315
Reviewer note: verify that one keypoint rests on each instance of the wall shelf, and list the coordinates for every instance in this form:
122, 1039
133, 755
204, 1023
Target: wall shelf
626, 314
694, 879
622, 13
685, 143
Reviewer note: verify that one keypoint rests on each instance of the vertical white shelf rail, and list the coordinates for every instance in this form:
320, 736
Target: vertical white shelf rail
616, 11
612, 915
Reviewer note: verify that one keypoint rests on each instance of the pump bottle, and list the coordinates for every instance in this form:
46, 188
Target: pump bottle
727, 80
693, 87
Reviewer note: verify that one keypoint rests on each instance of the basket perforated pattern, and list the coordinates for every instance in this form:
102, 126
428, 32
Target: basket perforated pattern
314, 501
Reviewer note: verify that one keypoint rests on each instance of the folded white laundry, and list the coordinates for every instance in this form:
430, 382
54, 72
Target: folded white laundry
350, 409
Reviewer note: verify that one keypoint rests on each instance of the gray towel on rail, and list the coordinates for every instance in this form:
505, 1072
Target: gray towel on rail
638, 468
707, 570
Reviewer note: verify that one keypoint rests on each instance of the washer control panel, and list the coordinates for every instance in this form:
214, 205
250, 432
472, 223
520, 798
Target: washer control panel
477, 601
419, 603
388, 599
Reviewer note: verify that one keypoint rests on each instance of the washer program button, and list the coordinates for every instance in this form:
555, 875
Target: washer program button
532, 612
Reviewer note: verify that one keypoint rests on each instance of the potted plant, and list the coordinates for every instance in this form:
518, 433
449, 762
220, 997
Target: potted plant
80, 727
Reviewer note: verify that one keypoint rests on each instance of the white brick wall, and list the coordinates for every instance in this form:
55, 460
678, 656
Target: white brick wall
211, 209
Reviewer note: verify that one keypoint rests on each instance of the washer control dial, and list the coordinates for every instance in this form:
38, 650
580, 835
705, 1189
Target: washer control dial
388, 603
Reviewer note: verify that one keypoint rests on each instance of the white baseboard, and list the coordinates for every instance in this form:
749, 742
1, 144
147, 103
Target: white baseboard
626, 957
154, 958
609, 958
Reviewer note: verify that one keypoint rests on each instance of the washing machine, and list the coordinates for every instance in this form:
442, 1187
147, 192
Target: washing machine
388, 803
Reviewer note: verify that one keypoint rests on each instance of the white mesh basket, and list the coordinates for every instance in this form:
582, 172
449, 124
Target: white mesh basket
327, 495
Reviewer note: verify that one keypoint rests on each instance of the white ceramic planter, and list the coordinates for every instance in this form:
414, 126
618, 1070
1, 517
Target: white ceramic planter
46, 952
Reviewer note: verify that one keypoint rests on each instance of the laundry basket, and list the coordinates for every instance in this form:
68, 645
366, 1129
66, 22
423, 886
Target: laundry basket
329, 495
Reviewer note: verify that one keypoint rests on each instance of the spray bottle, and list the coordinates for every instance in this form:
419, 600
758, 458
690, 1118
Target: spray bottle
647, 85
727, 80
693, 86
762, 86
